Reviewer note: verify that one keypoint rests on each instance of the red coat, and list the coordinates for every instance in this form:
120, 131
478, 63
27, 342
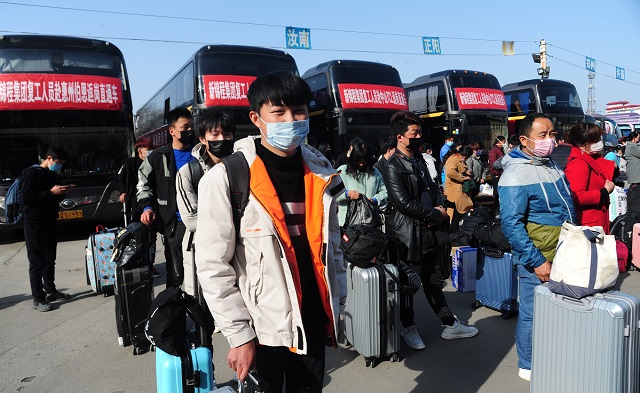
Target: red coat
586, 175
495, 153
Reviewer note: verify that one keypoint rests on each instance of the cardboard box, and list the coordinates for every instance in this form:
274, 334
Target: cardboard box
463, 268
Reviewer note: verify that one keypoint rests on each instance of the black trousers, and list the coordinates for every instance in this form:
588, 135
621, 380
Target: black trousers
633, 198
173, 256
432, 283
41, 241
280, 367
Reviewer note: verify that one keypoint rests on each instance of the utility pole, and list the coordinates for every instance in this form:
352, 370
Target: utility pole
591, 96
541, 58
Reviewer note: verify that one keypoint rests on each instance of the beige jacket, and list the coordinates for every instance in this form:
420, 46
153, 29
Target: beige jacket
454, 170
251, 284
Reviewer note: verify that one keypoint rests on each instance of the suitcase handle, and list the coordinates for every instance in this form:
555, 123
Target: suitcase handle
584, 304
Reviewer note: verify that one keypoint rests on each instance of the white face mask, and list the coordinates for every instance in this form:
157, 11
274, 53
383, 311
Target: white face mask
597, 147
286, 136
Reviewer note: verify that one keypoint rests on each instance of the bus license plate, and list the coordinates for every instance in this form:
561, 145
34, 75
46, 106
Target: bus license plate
70, 215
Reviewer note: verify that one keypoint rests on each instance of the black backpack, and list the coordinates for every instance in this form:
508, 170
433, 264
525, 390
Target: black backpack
475, 217
490, 238
622, 228
364, 246
134, 246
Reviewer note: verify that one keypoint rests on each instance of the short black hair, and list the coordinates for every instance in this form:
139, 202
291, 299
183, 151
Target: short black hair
387, 144
527, 122
514, 140
465, 151
278, 88
57, 153
499, 138
212, 118
400, 122
177, 113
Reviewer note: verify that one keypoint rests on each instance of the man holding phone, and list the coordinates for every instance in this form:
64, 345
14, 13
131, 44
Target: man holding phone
41, 195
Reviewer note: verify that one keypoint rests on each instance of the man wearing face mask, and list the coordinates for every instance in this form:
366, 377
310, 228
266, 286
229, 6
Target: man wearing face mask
535, 201
41, 195
418, 211
215, 132
157, 191
276, 289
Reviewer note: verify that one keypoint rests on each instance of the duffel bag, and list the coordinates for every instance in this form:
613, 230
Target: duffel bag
489, 236
363, 245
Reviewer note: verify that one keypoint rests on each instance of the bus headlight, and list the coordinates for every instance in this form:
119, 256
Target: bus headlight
114, 197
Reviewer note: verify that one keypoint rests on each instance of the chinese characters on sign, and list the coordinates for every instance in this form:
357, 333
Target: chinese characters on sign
357, 95
431, 45
226, 90
590, 64
298, 38
57, 91
620, 73
474, 98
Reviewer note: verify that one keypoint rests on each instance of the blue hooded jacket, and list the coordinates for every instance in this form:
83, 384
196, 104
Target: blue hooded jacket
535, 200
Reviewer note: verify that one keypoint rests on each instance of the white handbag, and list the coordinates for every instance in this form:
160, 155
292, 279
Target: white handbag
585, 262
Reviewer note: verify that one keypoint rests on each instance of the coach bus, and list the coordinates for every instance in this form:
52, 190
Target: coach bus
466, 104
73, 93
353, 99
612, 132
215, 76
555, 98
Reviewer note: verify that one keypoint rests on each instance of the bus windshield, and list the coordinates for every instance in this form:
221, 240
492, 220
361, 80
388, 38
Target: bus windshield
246, 64
559, 100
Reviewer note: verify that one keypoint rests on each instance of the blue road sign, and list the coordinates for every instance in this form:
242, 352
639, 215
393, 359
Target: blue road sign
298, 37
620, 73
590, 64
431, 45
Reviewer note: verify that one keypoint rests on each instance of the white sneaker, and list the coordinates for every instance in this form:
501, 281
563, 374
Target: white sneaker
412, 338
458, 330
525, 374
216, 329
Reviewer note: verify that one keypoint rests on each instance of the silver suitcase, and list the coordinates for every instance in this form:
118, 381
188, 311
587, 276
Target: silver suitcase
585, 345
372, 312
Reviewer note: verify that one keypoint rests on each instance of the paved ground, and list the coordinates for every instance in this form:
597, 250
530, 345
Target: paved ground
74, 348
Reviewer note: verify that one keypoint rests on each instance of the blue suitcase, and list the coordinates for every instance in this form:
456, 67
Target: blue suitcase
196, 377
497, 284
99, 268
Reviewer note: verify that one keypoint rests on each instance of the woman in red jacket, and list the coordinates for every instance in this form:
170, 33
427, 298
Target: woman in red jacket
590, 175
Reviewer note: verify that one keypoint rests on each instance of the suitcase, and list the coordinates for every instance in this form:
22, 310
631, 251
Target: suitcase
585, 345
133, 292
635, 246
192, 374
497, 284
463, 268
99, 269
372, 312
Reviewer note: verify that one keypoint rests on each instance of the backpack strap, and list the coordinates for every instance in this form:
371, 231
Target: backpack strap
196, 172
238, 174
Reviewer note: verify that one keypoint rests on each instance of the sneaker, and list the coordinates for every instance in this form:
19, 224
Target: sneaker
525, 374
155, 273
458, 330
41, 306
216, 329
57, 295
412, 338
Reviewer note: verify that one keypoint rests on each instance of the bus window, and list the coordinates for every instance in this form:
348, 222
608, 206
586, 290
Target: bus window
520, 102
558, 99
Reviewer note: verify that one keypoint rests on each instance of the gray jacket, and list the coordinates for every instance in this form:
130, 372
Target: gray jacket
632, 155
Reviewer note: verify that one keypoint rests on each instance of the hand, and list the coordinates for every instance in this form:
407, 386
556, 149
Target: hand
148, 217
122, 196
467, 178
481, 181
240, 359
59, 190
354, 194
609, 185
543, 271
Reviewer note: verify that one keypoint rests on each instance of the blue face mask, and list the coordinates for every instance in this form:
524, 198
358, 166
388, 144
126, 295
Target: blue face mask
286, 136
55, 167
450, 143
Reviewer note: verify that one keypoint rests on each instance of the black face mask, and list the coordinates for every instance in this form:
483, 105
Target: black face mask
414, 144
220, 149
185, 137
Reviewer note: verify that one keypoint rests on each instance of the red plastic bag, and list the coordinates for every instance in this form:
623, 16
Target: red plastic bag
623, 255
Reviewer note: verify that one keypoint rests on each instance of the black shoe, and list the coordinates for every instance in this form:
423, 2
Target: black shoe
41, 306
57, 295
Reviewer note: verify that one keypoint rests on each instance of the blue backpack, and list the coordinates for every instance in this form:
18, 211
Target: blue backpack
13, 201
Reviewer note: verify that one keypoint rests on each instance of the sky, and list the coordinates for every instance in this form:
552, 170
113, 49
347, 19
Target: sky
388, 32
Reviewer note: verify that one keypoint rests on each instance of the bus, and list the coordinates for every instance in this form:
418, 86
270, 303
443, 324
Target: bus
353, 98
466, 104
555, 98
612, 132
73, 93
215, 76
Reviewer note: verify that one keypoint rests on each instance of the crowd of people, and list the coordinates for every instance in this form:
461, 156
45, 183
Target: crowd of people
276, 282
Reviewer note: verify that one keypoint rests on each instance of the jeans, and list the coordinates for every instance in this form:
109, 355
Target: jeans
174, 257
527, 281
41, 241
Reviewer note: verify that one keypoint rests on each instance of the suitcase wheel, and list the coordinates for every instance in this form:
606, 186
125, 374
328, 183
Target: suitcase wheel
395, 357
476, 305
121, 341
369, 362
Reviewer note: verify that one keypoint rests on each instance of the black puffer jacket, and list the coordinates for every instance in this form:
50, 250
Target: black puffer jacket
404, 186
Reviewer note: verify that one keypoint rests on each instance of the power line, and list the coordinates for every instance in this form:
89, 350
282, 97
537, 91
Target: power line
599, 73
600, 61
236, 22
273, 47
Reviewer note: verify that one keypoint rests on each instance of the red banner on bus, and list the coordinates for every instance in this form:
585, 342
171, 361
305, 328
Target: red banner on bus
226, 90
474, 98
59, 91
359, 95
